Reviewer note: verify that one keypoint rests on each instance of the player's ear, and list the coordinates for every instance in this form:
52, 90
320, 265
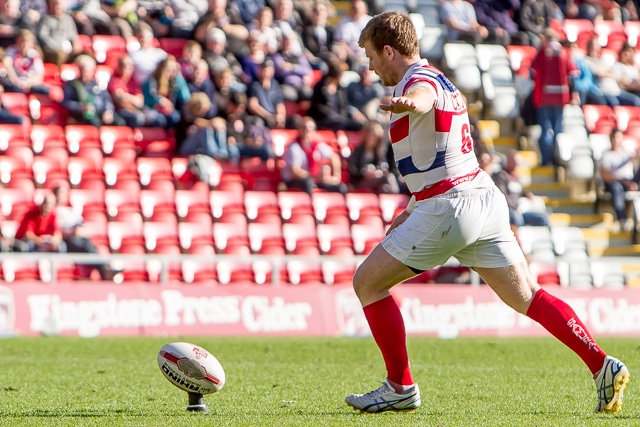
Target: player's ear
388, 50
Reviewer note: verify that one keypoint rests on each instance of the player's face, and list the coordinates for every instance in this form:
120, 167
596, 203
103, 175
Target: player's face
380, 64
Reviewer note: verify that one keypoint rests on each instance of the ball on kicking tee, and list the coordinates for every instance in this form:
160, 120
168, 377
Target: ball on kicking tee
191, 368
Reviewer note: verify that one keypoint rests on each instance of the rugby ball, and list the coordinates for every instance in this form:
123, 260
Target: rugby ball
191, 368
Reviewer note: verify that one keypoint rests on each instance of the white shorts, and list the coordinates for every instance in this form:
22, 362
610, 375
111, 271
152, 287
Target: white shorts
470, 225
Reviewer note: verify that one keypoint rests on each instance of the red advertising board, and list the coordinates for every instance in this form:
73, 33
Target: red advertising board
145, 309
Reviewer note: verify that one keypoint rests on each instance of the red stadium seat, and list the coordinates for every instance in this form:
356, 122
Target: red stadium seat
362, 204
59, 156
15, 202
391, 205
190, 202
294, 203
117, 170
259, 203
333, 236
265, 239
199, 272
154, 168
125, 233
173, 268
105, 45
46, 135
69, 72
12, 168
22, 183
8, 228
157, 234
195, 234
304, 272
366, 237
17, 270
155, 142
173, 46
119, 201
626, 117
226, 236
298, 237
598, 116
52, 74
113, 136
579, 30
224, 202
48, 172
12, 134
611, 34
46, 109
86, 200
97, 232
520, 58
234, 272
17, 103
325, 204
281, 138
86, 135
153, 201
22, 153
338, 272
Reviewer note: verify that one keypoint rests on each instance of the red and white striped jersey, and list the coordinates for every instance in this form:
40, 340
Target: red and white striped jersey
436, 146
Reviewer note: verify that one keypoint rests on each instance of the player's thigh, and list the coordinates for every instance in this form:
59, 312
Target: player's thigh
380, 272
513, 284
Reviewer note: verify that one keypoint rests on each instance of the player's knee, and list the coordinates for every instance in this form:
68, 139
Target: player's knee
360, 284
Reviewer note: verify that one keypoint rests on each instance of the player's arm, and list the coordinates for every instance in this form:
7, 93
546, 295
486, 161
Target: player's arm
419, 99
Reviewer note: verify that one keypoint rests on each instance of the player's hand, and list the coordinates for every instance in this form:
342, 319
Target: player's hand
399, 104
398, 220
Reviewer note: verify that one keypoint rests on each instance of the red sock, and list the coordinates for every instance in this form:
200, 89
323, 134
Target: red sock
387, 327
562, 322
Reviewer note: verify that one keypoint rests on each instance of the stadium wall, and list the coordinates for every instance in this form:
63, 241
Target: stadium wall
448, 311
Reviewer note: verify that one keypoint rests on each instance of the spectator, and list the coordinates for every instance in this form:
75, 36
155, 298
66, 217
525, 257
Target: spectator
508, 182
292, 71
24, 66
626, 72
57, 34
619, 175
328, 103
11, 21
265, 99
191, 56
249, 9
318, 37
287, 21
91, 19
262, 27
310, 164
222, 15
33, 11
208, 136
363, 96
534, 17
219, 58
252, 62
7, 117
87, 102
459, 16
584, 83
147, 58
368, 168
552, 67
572, 9
496, 16
158, 14
186, 15
123, 13
202, 83
129, 100
605, 77
231, 105
38, 230
70, 224
166, 90
348, 30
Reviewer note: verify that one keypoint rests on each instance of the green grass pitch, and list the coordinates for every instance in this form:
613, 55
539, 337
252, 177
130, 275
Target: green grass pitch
302, 382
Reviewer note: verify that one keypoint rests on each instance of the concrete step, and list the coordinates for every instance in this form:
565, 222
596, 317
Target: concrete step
529, 158
551, 190
601, 220
600, 239
540, 174
632, 273
627, 250
568, 206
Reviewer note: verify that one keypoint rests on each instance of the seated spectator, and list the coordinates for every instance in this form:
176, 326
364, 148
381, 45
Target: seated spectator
191, 56
70, 224
584, 83
57, 34
248, 10
231, 105
32, 11
605, 78
348, 30
187, 14
255, 142
287, 21
508, 182
318, 37
202, 83
87, 102
363, 96
572, 9
147, 58
310, 164
265, 99
534, 17
292, 71
626, 72
461, 21
91, 19
619, 175
38, 231
328, 103
207, 136
166, 90
158, 14
368, 168
252, 62
224, 15
262, 28
496, 16
218, 57
123, 13
24, 66
11, 21
129, 100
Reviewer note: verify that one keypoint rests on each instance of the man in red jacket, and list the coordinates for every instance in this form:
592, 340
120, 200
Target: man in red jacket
38, 231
